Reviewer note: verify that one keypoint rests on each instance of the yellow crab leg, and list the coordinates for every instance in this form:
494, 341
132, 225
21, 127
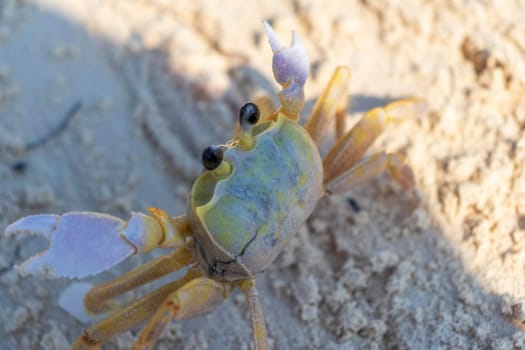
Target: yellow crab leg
370, 167
196, 297
351, 147
130, 316
259, 327
96, 299
266, 106
333, 102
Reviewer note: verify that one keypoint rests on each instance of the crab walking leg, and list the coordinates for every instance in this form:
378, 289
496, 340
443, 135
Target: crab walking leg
340, 116
370, 167
96, 299
266, 107
259, 327
197, 297
351, 147
333, 102
132, 315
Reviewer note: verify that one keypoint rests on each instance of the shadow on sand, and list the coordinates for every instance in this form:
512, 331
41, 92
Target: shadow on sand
136, 142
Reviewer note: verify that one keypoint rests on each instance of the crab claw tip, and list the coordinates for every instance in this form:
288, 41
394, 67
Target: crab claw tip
37, 266
273, 40
42, 224
296, 40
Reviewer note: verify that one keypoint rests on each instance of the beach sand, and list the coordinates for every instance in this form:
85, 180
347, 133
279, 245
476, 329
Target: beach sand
106, 106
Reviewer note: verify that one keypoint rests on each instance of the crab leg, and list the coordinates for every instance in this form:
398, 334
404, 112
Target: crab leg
83, 244
195, 298
96, 299
258, 324
132, 315
351, 147
266, 107
370, 167
333, 102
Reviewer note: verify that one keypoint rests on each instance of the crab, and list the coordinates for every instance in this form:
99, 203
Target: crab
254, 193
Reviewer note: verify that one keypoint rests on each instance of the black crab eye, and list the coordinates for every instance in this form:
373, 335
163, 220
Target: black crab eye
211, 157
249, 115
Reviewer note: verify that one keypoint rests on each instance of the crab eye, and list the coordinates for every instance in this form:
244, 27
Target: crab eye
211, 157
249, 115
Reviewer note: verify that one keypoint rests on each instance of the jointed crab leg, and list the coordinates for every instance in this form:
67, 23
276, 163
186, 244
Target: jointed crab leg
370, 167
96, 299
130, 316
196, 297
333, 102
259, 327
266, 107
351, 147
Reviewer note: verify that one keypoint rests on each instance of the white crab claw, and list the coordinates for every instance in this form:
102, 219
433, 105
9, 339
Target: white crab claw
273, 39
289, 63
81, 244
72, 300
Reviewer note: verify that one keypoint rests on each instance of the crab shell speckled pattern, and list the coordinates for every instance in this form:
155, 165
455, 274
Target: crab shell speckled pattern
253, 212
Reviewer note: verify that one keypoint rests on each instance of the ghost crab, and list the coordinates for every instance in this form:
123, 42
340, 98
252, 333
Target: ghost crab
254, 193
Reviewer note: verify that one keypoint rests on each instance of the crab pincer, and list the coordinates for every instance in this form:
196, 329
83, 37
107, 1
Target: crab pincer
290, 67
83, 244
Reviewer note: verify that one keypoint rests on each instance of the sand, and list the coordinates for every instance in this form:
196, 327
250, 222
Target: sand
149, 84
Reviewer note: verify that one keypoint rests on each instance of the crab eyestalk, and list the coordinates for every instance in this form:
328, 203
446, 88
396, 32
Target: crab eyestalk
290, 67
248, 116
213, 162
